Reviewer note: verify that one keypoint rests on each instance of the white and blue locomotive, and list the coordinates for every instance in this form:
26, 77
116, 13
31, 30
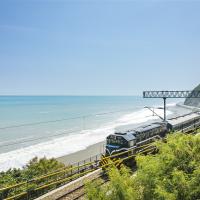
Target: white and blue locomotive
126, 138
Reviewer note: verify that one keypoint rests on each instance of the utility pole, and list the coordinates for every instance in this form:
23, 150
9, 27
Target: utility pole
164, 99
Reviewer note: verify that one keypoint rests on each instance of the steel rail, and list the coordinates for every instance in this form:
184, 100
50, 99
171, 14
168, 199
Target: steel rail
82, 186
73, 177
65, 169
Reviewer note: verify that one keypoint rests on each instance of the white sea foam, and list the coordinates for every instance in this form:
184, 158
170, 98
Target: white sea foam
73, 142
171, 104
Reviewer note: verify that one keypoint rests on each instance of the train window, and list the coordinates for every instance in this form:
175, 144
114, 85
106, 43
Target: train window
131, 143
147, 134
157, 130
120, 141
111, 141
138, 138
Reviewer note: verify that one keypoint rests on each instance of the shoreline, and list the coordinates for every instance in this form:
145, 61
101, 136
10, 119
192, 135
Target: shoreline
96, 149
89, 153
13, 160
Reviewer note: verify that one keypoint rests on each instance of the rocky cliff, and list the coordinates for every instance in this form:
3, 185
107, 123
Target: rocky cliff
193, 101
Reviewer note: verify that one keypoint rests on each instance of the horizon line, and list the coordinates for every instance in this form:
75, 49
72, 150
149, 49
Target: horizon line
78, 95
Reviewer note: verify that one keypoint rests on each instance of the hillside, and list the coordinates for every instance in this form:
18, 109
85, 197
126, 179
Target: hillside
171, 174
193, 101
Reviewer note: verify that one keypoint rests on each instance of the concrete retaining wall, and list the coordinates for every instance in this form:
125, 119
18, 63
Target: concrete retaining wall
65, 189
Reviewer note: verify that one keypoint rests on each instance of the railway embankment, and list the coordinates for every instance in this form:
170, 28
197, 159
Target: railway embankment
172, 173
192, 108
72, 190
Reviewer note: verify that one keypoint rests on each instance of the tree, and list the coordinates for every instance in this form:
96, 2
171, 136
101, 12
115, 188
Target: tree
120, 187
172, 174
35, 168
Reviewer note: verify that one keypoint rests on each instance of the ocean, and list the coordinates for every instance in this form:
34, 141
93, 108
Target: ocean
54, 126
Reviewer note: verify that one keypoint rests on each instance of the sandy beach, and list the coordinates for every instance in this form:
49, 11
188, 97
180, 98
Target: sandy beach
98, 148
86, 154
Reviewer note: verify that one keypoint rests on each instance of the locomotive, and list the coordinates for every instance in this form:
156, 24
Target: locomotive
127, 138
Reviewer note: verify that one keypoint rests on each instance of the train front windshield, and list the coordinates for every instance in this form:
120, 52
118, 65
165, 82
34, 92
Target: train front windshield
114, 143
116, 140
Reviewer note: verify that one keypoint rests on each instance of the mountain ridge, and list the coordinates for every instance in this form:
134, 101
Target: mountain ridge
195, 102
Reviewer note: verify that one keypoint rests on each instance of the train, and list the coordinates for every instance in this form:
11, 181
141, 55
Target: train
127, 138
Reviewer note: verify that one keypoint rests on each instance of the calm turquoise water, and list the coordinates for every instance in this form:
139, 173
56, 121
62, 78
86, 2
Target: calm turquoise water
17, 110
23, 136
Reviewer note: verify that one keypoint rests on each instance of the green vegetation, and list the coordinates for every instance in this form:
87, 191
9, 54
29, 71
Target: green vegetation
35, 168
172, 174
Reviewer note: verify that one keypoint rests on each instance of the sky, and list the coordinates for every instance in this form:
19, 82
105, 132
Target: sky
98, 47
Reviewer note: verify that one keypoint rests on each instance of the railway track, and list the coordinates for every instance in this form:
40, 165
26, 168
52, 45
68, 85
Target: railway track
75, 194
69, 186
78, 193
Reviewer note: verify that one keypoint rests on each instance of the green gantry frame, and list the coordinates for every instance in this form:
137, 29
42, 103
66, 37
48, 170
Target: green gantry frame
171, 94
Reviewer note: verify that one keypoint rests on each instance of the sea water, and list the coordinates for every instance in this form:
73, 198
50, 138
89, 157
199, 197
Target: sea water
54, 126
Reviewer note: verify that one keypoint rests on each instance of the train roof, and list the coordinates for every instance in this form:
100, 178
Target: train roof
125, 128
132, 128
127, 136
180, 119
147, 127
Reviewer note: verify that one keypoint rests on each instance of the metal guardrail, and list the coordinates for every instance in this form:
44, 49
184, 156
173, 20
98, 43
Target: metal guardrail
31, 185
67, 174
33, 188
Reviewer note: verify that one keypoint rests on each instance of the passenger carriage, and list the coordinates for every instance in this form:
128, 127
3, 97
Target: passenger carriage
129, 138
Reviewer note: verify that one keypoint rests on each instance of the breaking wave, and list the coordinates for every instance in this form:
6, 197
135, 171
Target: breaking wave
74, 142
